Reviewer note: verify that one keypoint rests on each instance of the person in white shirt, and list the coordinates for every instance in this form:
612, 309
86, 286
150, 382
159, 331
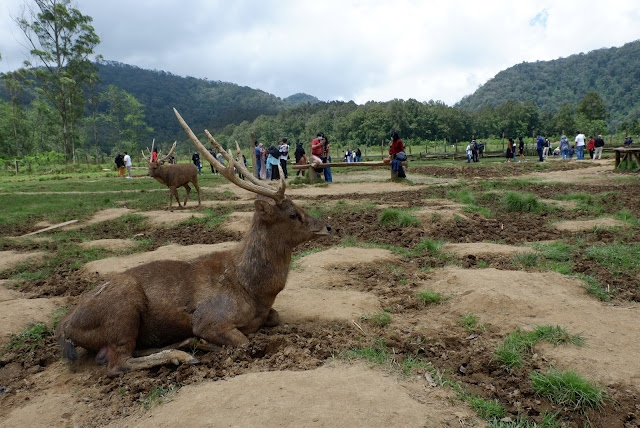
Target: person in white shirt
283, 148
580, 139
128, 164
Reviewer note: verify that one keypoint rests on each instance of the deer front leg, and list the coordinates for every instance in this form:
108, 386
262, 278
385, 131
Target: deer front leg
172, 356
174, 192
214, 320
273, 319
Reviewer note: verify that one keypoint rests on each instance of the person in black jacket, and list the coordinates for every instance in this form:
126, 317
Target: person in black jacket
299, 155
120, 164
599, 145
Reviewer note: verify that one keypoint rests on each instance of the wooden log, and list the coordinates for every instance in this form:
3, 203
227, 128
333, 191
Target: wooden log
55, 226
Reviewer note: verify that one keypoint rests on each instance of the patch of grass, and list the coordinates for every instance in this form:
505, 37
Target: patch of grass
381, 319
398, 218
566, 388
463, 196
29, 339
156, 396
549, 420
470, 323
558, 251
380, 354
483, 264
525, 260
487, 409
618, 258
514, 346
430, 245
593, 287
628, 217
427, 297
522, 202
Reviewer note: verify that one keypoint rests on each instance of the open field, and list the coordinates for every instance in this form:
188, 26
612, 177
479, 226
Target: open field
490, 293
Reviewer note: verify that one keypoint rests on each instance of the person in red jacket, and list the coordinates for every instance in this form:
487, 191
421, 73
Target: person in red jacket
397, 146
591, 146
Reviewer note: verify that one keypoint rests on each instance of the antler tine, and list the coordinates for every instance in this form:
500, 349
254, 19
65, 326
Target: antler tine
165, 157
227, 171
254, 184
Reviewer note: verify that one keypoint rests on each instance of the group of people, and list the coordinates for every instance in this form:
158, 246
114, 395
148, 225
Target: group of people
474, 148
122, 162
353, 155
594, 146
267, 160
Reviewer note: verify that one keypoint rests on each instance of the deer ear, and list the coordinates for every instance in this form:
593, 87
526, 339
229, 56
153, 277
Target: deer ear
264, 208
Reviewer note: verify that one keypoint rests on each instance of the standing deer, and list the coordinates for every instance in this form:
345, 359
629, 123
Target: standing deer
220, 298
174, 176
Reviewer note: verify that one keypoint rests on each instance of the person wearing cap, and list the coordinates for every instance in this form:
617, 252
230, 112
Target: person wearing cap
599, 144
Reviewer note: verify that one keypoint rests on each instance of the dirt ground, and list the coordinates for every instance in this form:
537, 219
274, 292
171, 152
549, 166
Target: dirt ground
300, 373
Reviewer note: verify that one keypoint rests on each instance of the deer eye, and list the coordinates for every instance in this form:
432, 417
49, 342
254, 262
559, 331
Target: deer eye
295, 216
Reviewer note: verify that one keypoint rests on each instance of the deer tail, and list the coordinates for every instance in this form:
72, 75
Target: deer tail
68, 348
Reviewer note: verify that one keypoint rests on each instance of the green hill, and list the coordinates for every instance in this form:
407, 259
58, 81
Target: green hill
613, 73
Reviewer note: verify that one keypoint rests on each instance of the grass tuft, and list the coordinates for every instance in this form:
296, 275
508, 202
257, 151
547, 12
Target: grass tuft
381, 319
427, 297
398, 218
567, 389
522, 202
470, 323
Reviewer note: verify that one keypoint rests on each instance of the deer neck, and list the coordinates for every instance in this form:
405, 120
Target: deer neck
264, 262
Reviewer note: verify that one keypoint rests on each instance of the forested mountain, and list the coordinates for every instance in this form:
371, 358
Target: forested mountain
207, 104
613, 73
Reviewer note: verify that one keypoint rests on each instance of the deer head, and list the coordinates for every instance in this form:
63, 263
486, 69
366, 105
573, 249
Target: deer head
155, 166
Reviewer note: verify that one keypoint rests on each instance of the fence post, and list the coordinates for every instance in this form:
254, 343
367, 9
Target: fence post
16, 165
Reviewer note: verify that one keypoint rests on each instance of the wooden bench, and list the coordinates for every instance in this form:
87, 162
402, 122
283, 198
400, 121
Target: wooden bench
311, 173
624, 153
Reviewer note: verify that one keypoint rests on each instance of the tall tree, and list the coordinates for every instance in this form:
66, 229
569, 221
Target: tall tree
62, 40
592, 107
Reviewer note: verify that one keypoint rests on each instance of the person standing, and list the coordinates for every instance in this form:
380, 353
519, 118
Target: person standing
598, 144
580, 143
326, 158
564, 147
539, 147
258, 160
120, 164
301, 157
154, 155
284, 156
474, 150
263, 162
510, 150
521, 149
128, 164
358, 155
196, 161
469, 152
591, 146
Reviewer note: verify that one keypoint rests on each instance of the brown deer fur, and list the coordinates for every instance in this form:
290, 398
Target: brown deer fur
174, 176
221, 297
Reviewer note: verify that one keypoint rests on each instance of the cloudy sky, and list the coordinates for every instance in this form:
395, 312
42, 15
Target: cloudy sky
357, 50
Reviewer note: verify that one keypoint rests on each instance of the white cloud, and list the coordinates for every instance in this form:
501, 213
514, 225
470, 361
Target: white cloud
350, 49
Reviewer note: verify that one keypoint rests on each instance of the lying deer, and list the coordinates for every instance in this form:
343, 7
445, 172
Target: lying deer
220, 298
174, 176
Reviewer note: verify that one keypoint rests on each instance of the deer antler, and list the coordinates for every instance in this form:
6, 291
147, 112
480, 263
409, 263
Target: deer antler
252, 184
165, 157
153, 142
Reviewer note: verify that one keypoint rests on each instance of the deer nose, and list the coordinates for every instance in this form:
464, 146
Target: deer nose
328, 228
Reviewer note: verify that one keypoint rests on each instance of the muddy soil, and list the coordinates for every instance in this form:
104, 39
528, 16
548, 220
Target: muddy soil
36, 388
